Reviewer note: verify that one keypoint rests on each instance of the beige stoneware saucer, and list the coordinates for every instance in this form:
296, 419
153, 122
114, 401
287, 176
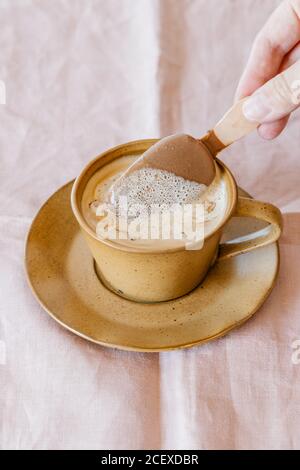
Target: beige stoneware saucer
61, 274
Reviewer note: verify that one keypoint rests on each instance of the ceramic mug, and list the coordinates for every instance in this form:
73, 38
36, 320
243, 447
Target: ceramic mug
157, 276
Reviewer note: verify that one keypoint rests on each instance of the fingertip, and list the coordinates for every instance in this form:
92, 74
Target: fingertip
268, 132
271, 130
238, 93
243, 90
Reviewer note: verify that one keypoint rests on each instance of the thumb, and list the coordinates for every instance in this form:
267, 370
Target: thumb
276, 99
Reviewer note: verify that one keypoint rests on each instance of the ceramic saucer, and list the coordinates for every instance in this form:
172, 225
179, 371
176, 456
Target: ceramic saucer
61, 273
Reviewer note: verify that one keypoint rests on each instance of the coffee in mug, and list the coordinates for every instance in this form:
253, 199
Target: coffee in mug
157, 205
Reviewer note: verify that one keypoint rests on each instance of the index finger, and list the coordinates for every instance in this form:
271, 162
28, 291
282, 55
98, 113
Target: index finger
279, 35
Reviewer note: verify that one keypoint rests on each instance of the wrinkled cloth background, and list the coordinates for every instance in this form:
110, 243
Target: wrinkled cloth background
85, 75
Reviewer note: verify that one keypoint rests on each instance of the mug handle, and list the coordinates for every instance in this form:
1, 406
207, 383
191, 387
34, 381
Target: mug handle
259, 210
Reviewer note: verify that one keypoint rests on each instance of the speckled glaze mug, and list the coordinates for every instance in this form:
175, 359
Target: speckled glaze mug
157, 276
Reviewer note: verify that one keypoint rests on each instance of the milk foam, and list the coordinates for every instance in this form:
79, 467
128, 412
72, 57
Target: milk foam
151, 186
148, 187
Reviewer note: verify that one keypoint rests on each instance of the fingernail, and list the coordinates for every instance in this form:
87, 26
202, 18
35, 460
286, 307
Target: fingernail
255, 109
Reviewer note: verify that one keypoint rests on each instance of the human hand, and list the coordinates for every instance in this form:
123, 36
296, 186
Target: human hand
276, 48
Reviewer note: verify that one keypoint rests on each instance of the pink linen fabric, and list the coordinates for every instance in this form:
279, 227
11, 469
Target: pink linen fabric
82, 76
